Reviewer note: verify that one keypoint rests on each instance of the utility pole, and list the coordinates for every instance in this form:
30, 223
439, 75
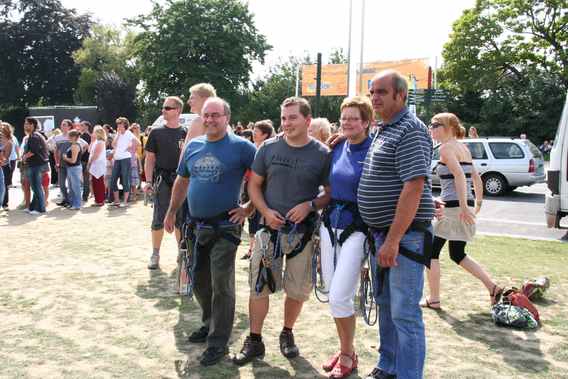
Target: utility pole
361, 91
349, 49
318, 86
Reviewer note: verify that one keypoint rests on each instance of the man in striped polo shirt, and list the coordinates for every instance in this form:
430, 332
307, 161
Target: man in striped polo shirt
395, 200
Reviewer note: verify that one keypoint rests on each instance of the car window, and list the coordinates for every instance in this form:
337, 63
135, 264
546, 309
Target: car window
506, 150
533, 149
436, 153
477, 150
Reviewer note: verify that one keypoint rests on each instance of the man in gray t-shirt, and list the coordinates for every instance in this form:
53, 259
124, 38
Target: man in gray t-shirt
292, 174
287, 173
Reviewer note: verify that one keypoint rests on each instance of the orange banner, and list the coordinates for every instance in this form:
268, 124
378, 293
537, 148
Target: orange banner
334, 76
409, 68
333, 80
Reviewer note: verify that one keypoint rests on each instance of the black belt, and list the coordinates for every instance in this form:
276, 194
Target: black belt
456, 203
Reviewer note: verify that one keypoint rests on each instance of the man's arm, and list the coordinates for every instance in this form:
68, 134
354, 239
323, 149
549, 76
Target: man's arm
406, 209
179, 192
149, 165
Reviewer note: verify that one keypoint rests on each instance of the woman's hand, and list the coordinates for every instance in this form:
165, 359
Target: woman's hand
467, 216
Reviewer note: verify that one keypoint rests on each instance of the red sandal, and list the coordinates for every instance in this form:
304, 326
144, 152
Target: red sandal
330, 364
339, 371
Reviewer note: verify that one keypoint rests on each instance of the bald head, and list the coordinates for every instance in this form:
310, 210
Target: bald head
398, 82
219, 101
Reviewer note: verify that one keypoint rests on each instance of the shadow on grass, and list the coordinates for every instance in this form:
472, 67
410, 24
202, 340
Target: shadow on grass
159, 288
523, 354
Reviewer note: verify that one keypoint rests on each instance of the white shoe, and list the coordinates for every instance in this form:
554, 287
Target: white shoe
34, 213
154, 262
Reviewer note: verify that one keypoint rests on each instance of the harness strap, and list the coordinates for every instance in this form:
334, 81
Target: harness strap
192, 230
421, 259
265, 275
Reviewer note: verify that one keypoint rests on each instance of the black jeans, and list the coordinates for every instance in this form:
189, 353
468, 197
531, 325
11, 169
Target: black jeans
214, 285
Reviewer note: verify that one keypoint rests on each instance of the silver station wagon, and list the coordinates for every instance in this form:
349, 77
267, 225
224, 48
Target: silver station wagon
503, 163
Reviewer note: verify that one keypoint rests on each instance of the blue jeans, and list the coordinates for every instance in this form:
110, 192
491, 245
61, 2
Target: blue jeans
62, 176
121, 168
34, 176
75, 175
2, 186
401, 328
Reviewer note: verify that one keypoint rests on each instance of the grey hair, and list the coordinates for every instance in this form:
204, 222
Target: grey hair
399, 83
226, 106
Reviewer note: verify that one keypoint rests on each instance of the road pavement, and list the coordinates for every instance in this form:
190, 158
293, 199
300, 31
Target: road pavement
518, 214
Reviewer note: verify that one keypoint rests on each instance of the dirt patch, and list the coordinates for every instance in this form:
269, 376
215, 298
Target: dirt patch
77, 301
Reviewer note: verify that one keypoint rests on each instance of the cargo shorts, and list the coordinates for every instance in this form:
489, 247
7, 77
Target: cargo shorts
293, 274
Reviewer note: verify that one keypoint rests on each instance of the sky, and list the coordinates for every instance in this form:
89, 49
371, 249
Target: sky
393, 29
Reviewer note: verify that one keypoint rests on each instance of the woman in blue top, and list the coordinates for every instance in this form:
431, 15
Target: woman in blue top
343, 232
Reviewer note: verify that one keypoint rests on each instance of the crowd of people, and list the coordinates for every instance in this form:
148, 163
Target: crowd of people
358, 184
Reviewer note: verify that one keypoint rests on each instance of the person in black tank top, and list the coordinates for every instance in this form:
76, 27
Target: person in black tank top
72, 158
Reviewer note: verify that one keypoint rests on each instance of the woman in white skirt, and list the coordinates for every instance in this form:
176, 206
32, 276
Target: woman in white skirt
343, 233
457, 177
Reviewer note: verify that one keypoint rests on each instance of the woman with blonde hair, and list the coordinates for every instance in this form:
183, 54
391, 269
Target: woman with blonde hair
5, 152
457, 177
97, 165
343, 232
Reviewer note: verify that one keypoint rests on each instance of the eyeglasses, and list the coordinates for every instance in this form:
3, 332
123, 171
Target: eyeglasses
344, 120
166, 108
214, 116
435, 125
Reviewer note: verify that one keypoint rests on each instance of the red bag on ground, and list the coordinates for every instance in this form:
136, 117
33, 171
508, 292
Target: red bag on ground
517, 298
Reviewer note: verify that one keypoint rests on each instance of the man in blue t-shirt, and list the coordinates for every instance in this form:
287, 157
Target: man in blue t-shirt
210, 173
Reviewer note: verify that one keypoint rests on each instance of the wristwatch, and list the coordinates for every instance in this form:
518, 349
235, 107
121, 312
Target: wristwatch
313, 206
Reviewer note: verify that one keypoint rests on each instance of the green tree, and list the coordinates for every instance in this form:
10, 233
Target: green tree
188, 41
506, 66
37, 41
106, 50
115, 97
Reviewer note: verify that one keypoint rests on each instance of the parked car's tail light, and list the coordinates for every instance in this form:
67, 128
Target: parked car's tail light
532, 166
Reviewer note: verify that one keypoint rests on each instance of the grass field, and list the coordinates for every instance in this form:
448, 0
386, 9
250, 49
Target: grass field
77, 301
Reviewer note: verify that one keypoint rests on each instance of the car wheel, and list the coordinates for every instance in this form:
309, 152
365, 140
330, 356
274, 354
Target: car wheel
494, 185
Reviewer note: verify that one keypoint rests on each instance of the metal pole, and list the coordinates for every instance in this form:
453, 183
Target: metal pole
318, 86
362, 48
349, 49
298, 80
435, 72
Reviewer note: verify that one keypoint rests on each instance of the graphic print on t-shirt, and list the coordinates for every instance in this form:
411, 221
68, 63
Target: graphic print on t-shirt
279, 160
207, 169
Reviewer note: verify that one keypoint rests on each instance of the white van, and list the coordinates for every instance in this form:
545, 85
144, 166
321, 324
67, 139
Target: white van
556, 204
185, 119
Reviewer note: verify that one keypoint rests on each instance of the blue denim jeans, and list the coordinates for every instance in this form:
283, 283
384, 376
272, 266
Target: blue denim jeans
38, 199
2, 186
401, 329
121, 168
62, 177
74, 176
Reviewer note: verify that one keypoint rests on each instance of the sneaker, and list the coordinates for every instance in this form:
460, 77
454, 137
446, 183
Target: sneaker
199, 336
251, 349
34, 213
62, 203
154, 262
287, 346
5, 208
21, 207
377, 373
212, 355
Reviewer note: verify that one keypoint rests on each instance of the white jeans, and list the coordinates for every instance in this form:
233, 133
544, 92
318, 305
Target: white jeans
341, 283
